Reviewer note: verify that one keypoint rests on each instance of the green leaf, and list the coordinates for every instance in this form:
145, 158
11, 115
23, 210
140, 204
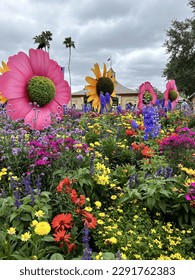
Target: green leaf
56, 256
27, 208
108, 256
26, 217
192, 219
185, 207
150, 202
48, 238
13, 216
162, 205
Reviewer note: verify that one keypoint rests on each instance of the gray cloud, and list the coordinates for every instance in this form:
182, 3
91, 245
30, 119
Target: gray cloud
130, 31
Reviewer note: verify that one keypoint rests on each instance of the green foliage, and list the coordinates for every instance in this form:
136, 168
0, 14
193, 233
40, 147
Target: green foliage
180, 47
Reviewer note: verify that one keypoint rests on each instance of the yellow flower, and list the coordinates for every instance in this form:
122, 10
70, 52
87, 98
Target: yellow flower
39, 214
11, 231
88, 209
42, 228
102, 83
112, 240
102, 214
100, 222
26, 236
34, 223
98, 204
113, 197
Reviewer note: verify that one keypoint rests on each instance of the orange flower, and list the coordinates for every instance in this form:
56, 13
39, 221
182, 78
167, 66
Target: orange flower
62, 237
130, 132
135, 146
147, 152
62, 221
89, 219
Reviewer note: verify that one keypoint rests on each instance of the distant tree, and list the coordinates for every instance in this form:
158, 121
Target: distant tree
180, 46
69, 44
43, 40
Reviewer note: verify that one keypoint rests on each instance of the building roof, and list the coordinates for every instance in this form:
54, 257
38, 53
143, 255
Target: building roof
120, 89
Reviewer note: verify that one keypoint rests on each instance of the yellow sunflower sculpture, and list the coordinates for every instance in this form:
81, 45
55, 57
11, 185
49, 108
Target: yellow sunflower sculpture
102, 84
3, 69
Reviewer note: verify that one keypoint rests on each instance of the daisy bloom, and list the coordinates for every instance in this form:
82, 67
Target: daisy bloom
146, 95
101, 84
62, 237
89, 219
35, 89
3, 69
42, 228
171, 94
62, 221
11, 231
26, 236
39, 214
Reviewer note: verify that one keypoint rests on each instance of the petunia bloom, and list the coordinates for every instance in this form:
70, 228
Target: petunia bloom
35, 89
171, 94
146, 95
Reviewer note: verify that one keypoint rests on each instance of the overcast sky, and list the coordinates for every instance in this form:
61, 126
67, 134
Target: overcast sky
132, 32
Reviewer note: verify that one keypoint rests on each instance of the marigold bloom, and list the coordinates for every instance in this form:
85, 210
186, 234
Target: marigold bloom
26, 236
42, 228
35, 88
62, 221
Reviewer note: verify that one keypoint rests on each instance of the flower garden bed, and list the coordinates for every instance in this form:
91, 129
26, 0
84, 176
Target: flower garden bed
98, 185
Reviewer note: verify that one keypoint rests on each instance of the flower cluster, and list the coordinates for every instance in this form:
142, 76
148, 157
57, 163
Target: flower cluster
144, 149
151, 122
101, 174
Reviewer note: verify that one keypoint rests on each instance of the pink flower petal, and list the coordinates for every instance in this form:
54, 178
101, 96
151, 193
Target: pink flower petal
40, 62
20, 64
18, 108
38, 118
54, 72
55, 109
12, 85
63, 92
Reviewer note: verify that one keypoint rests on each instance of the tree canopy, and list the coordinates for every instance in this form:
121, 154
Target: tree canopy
180, 46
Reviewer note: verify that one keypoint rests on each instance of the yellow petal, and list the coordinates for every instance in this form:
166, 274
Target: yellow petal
90, 98
91, 80
104, 71
96, 71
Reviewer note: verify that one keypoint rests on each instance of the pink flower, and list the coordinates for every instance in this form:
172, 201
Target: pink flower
171, 87
35, 88
146, 89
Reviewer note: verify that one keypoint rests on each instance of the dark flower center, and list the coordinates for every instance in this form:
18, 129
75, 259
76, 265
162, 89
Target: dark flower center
104, 85
173, 95
41, 90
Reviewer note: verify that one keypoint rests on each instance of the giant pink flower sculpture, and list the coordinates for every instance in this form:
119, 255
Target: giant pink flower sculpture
171, 94
35, 88
146, 95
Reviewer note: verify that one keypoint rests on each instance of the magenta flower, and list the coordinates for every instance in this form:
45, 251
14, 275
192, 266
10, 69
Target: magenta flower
146, 95
35, 88
191, 194
171, 94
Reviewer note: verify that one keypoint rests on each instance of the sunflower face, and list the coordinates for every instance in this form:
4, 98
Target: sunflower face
101, 84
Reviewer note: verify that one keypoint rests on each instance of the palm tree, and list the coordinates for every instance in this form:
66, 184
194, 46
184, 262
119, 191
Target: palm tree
69, 44
43, 40
47, 35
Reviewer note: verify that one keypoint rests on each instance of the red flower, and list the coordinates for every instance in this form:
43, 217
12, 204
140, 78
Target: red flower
71, 247
62, 237
130, 132
62, 221
89, 219
147, 152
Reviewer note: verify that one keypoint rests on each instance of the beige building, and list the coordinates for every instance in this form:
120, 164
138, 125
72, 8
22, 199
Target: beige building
124, 95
